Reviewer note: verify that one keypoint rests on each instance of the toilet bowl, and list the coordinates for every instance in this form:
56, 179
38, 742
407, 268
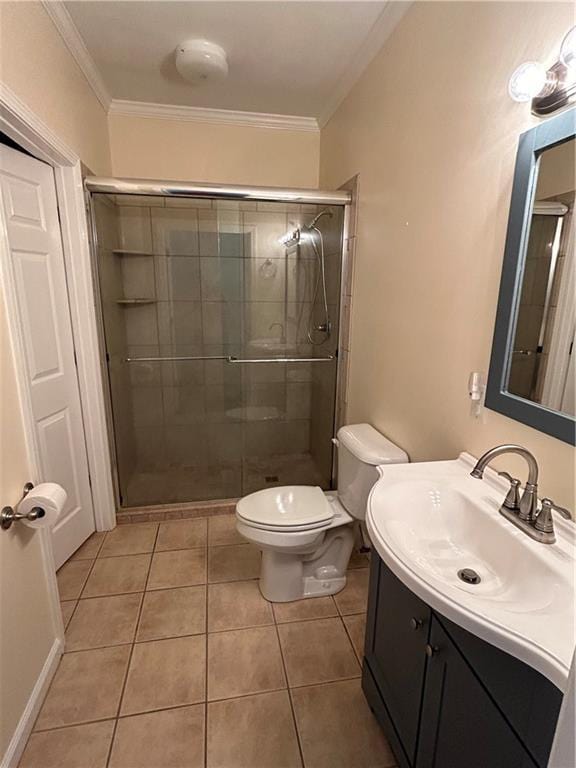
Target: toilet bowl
306, 535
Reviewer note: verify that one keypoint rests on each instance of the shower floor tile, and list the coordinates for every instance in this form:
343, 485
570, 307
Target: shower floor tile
208, 675
230, 480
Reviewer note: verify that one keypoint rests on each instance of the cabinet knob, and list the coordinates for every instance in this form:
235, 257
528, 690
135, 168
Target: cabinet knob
431, 650
415, 623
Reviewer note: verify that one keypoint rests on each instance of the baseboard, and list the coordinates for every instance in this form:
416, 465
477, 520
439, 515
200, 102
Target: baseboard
26, 723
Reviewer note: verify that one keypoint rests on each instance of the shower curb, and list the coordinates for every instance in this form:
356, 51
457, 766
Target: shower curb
163, 512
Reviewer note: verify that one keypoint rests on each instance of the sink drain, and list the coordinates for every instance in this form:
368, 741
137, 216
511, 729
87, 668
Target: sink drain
469, 576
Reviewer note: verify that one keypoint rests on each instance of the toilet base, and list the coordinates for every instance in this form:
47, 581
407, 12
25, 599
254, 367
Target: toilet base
285, 577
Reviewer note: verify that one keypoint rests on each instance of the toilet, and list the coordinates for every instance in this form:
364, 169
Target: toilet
306, 535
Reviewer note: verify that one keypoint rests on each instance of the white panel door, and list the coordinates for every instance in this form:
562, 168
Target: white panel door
35, 264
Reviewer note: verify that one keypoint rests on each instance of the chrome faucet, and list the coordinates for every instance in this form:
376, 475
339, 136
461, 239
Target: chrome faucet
529, 501
523, 511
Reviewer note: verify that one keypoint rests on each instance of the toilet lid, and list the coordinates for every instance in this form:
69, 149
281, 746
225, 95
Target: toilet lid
286, 507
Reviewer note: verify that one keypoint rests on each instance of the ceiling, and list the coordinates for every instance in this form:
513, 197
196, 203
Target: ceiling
286, 58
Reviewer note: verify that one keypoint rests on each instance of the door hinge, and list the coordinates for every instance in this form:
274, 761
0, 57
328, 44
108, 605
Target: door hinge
90, 480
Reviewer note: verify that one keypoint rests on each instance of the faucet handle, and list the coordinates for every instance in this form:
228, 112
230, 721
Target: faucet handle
544, 521
512, 500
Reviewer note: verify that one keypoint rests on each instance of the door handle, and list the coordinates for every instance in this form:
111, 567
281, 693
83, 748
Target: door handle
431, 650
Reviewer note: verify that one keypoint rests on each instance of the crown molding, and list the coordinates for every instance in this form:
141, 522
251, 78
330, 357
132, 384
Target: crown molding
19, 122
381, 30
62, 20
221, 116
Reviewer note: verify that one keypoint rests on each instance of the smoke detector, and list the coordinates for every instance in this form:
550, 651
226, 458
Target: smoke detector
200, 61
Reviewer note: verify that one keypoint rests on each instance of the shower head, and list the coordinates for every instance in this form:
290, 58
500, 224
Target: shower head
325, 212
294, 237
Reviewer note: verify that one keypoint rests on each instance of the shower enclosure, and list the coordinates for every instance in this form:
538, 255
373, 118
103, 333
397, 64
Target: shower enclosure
220, 321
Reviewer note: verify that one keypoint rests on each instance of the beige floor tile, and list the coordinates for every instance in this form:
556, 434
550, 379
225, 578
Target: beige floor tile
103, 621
222, 530
81, 745
310, 608
129, 540
89, 550
237, 604
172, 613
67, 608
356, 626
354, 596
87, 686
359, 560
173, 738
117, 575
71, 578
165, 673
317, 652
244, 661
252, 732
182, 534
233, 563
337, 729
183, 568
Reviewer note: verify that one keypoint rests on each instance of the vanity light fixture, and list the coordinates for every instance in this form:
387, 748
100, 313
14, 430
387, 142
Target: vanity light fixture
568, 49
548, 89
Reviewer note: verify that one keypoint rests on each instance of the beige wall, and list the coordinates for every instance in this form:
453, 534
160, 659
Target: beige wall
25, 619
432, 132
153, 148
37, 66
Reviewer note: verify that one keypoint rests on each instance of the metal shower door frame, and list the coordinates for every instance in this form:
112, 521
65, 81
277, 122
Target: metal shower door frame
161, 188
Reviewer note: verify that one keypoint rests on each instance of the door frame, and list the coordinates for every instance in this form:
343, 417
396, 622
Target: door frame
24, 127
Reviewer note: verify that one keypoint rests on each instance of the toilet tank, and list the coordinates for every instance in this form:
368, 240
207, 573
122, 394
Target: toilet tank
361, 448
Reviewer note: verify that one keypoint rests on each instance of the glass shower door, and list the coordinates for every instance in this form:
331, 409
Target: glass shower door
195, 293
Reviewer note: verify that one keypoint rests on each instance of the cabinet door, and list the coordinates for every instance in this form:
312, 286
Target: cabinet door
396, 634
461, 725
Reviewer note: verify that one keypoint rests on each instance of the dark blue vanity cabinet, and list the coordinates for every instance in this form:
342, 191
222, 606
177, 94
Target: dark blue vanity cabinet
445, 698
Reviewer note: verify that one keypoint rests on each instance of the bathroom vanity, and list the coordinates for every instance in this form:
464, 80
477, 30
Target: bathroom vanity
443, 696
464, 670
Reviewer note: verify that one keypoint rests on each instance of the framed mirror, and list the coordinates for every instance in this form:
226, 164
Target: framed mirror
532, 371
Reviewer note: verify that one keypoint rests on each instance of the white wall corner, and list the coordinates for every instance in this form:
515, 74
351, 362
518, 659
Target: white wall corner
75, 44
381, 30
218, 116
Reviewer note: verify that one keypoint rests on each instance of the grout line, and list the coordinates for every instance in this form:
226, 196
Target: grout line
300, 750
123, 690
206, 665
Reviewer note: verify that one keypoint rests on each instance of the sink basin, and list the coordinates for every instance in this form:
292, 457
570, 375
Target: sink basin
430, 521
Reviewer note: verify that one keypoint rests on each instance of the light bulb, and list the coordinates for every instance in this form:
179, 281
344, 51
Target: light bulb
530, 80
568, 49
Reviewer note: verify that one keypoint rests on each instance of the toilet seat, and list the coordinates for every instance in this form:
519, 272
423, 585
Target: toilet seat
287, 508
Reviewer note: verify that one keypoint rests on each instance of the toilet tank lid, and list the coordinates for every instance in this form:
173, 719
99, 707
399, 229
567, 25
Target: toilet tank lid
370, 446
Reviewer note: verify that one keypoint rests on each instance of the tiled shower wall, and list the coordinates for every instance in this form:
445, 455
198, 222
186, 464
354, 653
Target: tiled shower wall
218, 282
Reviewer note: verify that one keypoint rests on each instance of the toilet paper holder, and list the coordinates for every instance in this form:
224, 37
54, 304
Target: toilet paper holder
9, 514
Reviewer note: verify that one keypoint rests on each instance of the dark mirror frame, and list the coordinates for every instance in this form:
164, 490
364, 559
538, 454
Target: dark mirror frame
530, 146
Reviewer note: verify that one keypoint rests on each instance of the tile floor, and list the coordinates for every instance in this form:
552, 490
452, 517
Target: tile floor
174, 660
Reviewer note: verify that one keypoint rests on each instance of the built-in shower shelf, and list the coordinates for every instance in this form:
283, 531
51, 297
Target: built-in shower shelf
129, 302
123, 252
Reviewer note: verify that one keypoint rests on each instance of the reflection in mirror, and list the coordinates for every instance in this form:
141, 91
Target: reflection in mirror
541, 368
